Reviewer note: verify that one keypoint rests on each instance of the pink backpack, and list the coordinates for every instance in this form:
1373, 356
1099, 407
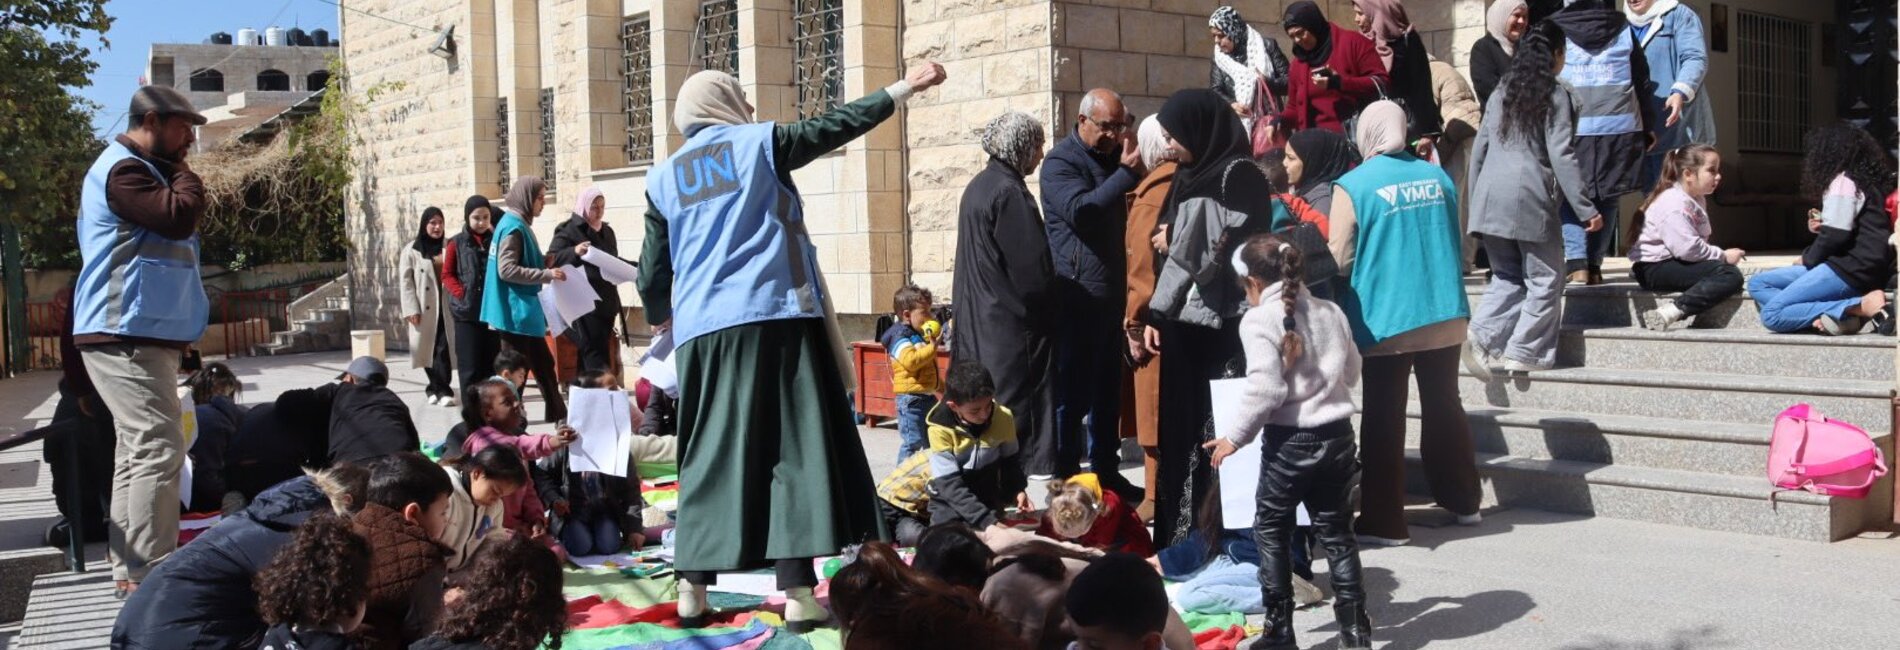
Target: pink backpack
1823, 456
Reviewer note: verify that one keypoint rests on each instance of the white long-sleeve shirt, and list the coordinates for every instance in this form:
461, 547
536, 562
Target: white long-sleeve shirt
1317, 388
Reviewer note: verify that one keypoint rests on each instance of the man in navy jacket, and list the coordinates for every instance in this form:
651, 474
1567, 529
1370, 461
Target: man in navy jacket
1085, 182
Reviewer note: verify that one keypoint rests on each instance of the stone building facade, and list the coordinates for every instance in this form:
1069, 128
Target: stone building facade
581, 92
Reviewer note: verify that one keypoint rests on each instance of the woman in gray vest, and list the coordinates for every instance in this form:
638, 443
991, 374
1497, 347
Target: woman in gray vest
1524, 167
771, 469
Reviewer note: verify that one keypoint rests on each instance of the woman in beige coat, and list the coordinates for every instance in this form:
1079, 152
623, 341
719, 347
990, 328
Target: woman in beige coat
425, 308
1463, 116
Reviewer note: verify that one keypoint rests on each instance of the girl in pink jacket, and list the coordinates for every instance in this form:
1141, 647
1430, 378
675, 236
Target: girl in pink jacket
1669, 240
492, 421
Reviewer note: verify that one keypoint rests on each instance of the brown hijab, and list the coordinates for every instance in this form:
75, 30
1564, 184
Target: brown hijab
520, 199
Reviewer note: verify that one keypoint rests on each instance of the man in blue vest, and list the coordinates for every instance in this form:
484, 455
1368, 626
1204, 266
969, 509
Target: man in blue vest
1085, 184
1616, 124
138, 304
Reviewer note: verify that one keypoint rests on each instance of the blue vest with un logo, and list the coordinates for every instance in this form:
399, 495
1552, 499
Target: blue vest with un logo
133, 282
1606, 89
737, 234
1408, 265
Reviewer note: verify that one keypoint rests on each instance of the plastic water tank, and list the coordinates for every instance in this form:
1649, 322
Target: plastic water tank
274, 37
247, 36
320, 37
297, 37
221, 38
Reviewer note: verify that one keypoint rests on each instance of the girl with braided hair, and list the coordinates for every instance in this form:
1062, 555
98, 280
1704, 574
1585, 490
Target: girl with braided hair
1301, 365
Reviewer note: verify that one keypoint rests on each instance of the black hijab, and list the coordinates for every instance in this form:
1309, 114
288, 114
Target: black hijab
1306, 15
469, 207
429, 246
1202, 122
1326, 156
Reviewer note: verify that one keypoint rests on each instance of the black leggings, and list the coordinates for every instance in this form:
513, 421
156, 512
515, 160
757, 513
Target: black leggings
441, 372
1317, 466
475, 350
1703, 284
541, 363
593, 336
792, 574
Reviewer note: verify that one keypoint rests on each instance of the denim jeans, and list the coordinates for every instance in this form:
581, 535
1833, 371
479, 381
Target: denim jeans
598, 537
1583, 249
1089, 383
1792, 297
912, 408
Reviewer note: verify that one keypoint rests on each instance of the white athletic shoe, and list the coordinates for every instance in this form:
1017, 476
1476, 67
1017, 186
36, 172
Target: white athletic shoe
435, 400
448, 401
1477, 362
1472, 519
1513, 365
1663, 318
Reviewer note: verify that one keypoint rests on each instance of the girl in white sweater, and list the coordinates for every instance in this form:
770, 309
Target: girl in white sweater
1301, 365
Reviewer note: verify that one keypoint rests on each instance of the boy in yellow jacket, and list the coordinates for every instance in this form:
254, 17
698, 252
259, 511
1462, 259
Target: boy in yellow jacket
912, 343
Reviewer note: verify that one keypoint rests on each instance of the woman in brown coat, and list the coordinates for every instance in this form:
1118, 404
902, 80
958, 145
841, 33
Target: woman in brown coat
1141, 415
1462, 117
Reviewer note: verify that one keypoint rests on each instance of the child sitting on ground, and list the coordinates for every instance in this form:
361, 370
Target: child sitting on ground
912, 344
493, 420
511, 369
973, 466
881, 602
214, 393
903, 498
509, 599
317, 588
1669, 240
481, 482
1118, 603
1081, 511
406, 515
1301, 365
600, 513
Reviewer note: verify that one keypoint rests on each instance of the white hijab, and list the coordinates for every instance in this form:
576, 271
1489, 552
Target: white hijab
1657, 8
708, 98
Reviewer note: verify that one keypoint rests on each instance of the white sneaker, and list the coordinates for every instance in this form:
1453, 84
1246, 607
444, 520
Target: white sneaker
435, 400
1850, 325
1472, 519
1513, 365
448, 401
1663, 318
1477, 362
1369, 540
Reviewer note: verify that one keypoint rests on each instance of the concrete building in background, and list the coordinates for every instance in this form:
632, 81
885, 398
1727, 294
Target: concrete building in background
581, 91
238, 86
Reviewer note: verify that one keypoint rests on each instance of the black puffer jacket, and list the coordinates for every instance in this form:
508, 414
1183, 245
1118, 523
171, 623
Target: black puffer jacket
218, 423
369, 422
278, 439
201, 597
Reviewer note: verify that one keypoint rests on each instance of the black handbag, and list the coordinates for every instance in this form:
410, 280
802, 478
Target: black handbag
1316, 256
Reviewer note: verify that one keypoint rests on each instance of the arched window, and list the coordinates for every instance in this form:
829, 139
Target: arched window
273, 80
317, 80
207, 81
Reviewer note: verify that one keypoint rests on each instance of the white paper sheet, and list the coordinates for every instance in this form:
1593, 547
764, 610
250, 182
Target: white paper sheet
604, 423
573, 297
657, 366
556, 324
763, 584
612, 269
1240, 473
184, 485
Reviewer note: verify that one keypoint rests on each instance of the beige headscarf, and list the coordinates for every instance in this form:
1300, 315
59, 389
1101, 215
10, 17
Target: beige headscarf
1381, 129
708, 98
520, 199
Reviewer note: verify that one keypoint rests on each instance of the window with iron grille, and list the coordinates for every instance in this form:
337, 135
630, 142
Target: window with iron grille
1774, 55
636, 87
818, 42
501, 141
547, 137
716, 36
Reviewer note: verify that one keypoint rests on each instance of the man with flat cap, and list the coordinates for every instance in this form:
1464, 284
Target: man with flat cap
139, 303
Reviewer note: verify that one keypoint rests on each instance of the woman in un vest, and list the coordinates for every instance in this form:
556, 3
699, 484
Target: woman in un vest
1615, 125
771, 469
464, 274
1395, 236
511, 290
425, 309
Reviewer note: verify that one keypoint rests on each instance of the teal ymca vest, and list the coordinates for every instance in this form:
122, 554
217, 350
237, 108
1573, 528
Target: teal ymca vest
133, 282
1606, 90
737, 234
1408, 269
506, 306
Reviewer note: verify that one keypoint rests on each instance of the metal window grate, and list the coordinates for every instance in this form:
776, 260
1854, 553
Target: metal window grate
636, 87
547, 137
818, 42
501, 141
716, 36
1774, 56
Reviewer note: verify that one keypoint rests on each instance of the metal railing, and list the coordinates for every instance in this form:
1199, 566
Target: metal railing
240, 321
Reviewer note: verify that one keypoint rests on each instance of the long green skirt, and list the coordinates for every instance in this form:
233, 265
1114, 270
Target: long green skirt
771, 467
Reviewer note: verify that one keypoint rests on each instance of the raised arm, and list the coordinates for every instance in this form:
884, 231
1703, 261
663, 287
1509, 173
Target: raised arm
656, 269
797, 144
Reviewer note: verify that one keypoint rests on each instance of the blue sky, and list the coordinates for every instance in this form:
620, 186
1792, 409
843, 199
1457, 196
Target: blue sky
138, 24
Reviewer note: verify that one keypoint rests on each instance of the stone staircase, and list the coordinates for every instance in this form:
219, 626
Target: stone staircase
319, 322
1672, 427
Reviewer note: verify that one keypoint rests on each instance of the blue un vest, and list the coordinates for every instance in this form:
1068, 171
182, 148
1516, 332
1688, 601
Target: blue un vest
1606, 91
738, 242
1408, 268
506, 306
133, 282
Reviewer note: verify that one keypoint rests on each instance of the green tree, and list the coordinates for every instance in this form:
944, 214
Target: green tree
46, 136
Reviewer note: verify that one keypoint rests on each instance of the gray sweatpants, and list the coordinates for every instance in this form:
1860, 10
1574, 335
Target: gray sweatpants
139, 385
1520, 315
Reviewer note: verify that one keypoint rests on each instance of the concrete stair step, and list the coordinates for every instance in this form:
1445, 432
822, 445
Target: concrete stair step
1729, 449
1683, 395
70, 611
1706, 501
1621, 304
1730, 351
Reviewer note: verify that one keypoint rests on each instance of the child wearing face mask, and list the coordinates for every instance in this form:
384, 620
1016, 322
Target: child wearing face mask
1301, 365
1669, 240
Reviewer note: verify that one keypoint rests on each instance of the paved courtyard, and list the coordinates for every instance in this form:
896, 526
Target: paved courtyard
1522, 579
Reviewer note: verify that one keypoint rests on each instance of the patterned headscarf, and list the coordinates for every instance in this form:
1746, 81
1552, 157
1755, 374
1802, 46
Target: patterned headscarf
1228, 21
1388, 24
1014, 138
1248, 62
